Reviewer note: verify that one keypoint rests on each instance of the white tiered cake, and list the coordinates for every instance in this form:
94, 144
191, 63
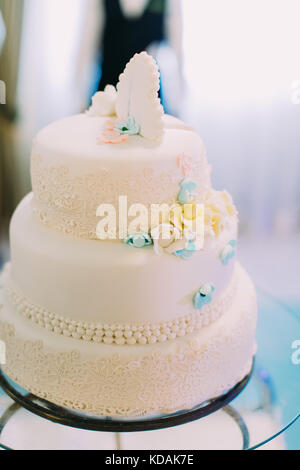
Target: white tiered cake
141, 324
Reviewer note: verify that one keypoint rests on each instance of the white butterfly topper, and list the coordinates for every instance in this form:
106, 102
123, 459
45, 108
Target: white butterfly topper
138, 96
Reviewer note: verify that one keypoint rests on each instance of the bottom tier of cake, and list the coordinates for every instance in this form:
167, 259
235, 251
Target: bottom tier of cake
128, 381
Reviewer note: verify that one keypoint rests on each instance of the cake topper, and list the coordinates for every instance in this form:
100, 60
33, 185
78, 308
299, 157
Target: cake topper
137, 99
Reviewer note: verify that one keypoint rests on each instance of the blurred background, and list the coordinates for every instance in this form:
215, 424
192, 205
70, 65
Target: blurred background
229, 68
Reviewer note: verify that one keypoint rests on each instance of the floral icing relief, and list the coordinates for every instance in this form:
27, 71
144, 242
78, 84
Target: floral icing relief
228, 252
138, 240
69, 203
203, 296
184, 162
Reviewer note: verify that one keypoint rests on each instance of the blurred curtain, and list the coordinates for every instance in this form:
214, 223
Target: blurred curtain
12, 13
241, 61
46, 64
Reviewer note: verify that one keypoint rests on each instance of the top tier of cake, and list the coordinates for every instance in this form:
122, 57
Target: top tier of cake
72, 173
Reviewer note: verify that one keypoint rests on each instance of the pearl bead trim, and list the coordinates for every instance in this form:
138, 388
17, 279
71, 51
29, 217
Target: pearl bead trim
122, 334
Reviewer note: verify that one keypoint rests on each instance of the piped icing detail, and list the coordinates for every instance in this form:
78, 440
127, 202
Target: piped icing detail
121, 334
137, 96
185, 164
228, 252
68, 202
203, 296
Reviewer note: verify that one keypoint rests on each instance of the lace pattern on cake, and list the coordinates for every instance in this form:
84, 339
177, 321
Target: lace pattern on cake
116, 386
124, 334
69, 204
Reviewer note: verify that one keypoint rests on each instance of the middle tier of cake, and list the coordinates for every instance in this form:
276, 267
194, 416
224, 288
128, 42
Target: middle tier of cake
82, 287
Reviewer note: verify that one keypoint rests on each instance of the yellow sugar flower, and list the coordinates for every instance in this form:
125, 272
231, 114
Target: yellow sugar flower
187, 217
230, 208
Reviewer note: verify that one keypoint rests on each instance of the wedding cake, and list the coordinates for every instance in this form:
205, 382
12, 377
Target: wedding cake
124, 296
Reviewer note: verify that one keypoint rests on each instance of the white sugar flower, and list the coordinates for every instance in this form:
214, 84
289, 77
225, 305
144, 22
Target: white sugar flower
167, 239
104, 102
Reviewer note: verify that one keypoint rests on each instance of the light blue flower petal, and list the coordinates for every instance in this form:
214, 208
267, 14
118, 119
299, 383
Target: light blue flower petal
188, 185
138, 240
191, 246
184, 196
225, 258
184, 254
129, 127
199, 300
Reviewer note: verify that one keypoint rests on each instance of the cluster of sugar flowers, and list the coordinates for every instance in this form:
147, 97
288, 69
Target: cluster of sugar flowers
117, 132
184, 232
110, 135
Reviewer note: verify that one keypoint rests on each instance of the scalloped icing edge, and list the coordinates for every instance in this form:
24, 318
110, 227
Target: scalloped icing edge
143, 104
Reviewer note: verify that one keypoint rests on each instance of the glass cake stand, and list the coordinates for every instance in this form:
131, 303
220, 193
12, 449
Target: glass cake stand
254, 414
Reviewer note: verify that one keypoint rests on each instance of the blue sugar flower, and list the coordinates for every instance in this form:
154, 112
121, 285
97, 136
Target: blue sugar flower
203, 296
129, 127
138, 240
228, 252
187, 252
185, 194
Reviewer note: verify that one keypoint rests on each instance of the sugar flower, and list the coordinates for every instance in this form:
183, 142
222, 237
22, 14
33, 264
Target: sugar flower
185, 164
228, 252
203, 296
129, 127
167, 239
112, 137
138, 240
186, 193
104, 102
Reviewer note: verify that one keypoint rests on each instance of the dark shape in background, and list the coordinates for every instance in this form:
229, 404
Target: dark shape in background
125, 36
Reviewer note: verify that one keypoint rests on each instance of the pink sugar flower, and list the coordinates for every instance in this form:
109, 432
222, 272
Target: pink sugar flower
110, 125
185, 164
112, 137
